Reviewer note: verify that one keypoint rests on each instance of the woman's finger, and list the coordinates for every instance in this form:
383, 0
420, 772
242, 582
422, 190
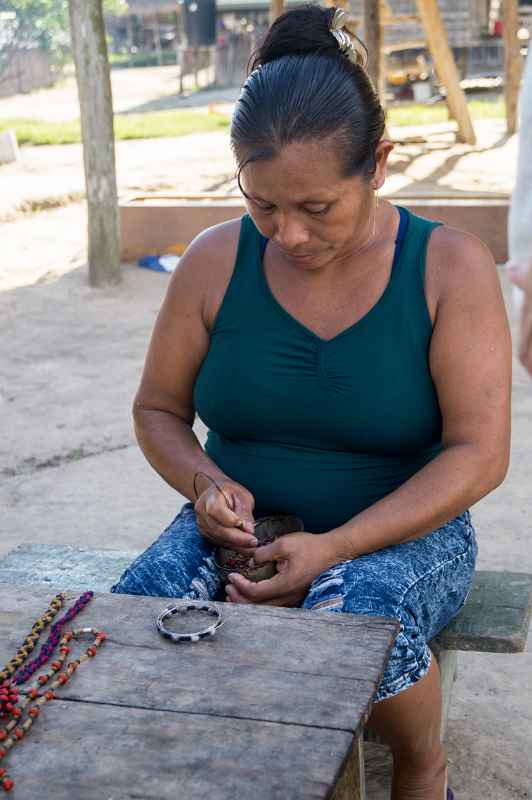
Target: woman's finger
233, 538
234, 596
273, 591
216, 507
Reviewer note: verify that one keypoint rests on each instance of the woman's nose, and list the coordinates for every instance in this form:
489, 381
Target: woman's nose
290, 233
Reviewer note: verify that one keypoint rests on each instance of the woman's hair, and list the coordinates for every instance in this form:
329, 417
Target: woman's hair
301, 87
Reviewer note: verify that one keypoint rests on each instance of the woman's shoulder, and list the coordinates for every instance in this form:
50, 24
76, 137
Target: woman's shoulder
457, 264
206, 267
213, 250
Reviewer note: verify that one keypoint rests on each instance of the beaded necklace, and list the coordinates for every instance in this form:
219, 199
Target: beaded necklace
30, 706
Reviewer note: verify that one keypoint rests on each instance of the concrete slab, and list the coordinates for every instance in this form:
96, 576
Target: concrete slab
79, 568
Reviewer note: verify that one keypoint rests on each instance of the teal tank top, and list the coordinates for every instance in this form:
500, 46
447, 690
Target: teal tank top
321, 429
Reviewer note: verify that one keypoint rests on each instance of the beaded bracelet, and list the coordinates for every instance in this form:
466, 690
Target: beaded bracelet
182, 607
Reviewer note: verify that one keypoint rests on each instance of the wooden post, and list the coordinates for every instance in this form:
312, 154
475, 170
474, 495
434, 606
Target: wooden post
442, 56
373, 41
94, 87
513, 64
276, 9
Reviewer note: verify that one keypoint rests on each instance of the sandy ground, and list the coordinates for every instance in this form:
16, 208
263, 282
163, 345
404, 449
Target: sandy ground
70, 471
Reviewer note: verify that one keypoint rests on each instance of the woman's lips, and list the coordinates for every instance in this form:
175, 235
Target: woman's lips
299, 256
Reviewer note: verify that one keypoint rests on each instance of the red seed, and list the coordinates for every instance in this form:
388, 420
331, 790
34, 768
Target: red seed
7, 784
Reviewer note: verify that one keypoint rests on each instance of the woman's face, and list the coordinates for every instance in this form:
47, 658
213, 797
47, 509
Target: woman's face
301, 202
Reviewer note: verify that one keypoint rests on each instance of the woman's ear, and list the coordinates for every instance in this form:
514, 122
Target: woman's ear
382, 152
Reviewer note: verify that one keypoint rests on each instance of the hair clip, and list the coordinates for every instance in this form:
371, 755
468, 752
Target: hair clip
343, 27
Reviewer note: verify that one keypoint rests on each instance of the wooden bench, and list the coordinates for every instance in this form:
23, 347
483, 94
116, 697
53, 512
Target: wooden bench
495, 618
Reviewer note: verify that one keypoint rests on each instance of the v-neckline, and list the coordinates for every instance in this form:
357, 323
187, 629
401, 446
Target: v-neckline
401, 235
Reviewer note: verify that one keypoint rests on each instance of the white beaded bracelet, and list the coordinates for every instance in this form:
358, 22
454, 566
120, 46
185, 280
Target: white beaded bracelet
182, 607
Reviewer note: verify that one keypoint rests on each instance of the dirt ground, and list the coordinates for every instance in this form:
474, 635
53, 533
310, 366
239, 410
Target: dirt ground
71, 472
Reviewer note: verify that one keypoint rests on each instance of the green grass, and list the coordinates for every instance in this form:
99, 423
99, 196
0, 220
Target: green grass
127, 126
416, 114
179, 123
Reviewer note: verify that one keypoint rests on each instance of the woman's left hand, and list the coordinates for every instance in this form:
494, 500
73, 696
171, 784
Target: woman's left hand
300, 558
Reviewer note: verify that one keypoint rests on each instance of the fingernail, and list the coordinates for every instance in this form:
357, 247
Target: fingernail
254, 541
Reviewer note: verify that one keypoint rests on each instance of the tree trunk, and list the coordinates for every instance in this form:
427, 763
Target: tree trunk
513, 65
94, 88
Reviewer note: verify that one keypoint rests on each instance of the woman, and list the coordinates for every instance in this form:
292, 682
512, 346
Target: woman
352, 362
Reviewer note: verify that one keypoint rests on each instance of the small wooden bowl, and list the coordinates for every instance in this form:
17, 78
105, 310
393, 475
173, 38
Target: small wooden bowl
267, 529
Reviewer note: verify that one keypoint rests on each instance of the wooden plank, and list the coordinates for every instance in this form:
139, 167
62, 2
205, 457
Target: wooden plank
444, 63
513, 63
89, 751
281, 665
496, 616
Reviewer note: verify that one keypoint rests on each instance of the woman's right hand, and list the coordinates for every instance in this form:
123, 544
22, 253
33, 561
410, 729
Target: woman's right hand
225, 517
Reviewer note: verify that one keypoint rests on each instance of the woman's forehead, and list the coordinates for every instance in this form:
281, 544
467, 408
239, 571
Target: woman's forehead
302, 167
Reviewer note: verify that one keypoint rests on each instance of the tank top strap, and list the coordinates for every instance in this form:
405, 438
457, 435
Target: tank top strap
413, 255
244, 284
408, 297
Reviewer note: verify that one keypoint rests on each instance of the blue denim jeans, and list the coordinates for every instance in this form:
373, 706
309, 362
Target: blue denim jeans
422, 584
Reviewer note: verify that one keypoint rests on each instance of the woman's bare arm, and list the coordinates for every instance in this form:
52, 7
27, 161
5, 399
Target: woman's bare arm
163, 408
470, 361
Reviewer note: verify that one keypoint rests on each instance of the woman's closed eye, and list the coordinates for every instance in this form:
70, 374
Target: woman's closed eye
317, 209
314, 210
266, 207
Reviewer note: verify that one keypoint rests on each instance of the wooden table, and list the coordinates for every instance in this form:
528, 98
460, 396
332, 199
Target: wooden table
271, 708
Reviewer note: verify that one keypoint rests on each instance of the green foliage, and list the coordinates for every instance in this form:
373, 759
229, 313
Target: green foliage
40, 23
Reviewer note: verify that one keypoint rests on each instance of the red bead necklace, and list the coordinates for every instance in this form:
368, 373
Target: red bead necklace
22, 713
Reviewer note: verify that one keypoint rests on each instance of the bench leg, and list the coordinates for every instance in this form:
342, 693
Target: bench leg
351, 783
447, 662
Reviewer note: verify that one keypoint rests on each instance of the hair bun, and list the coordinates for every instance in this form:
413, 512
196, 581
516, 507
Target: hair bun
312, 29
